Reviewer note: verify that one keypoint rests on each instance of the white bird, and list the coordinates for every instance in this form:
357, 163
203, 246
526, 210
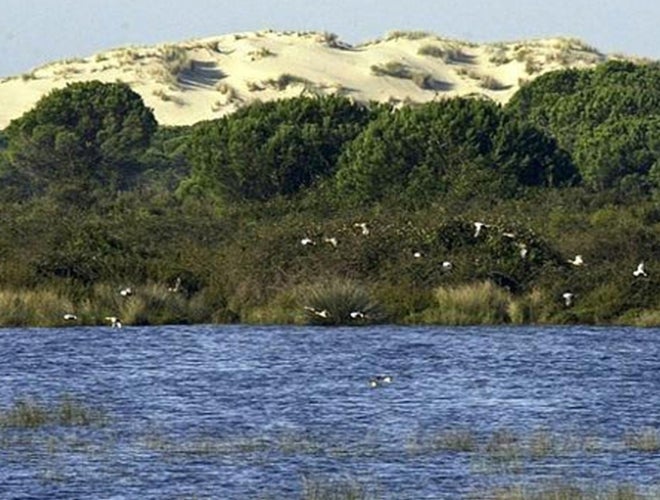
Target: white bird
115, 322
357, 315
307, 241
333, 241
447, 266
568, 298
418, 255
478, 226
363, 225
640, 271
126, 292
176, 287
379, 380
509, 235
523, 250
324, 313
577, 261
70, 317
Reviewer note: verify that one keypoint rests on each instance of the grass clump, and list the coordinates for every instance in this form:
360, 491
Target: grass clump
339, 302
260, 53
564, 491
27, 413
314, 488
477, 303
393, 68
645, 440
285, 80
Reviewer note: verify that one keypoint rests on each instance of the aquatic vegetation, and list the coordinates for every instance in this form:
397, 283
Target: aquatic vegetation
28, 413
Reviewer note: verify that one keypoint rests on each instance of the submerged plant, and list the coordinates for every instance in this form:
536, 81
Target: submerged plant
28, 413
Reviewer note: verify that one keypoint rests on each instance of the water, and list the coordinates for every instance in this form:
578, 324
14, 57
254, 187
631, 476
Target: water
247, 412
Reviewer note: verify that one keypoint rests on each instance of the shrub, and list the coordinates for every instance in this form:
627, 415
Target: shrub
339, 298
472, 304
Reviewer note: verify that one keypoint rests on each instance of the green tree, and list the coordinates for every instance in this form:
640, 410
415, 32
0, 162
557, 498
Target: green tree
605, 118
85, 136
421, 152
273, 148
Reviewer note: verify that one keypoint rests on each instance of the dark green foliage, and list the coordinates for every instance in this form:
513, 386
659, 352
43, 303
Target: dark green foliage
274, 173
270, 149
607, 118
82, 137
422, 152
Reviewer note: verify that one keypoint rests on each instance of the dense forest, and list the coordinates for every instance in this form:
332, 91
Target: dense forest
326, 211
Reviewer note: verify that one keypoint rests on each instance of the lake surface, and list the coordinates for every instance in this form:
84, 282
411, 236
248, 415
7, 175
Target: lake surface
253, 412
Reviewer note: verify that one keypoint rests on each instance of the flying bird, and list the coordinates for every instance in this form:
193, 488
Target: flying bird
363, 226
577, 261
568, 298
640, 271
115, 322
323, 313
126, 292
523, 250
478, 226
357, 315
176, 287
447, 266
418, 255
70, 317
307, 241
333, 241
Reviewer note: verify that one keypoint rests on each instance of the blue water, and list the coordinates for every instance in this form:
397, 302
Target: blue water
248, 412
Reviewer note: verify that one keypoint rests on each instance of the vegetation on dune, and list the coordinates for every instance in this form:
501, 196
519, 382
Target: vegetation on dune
95, 197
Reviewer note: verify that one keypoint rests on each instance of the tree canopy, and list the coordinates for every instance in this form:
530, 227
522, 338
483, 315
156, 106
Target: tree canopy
89, 133
420, 152
273, 148
606, 118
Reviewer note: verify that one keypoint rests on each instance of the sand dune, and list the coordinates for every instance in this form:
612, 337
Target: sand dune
205, 78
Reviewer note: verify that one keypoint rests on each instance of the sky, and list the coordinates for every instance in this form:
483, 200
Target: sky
35, 32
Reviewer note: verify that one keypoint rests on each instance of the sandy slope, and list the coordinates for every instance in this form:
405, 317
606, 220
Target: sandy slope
205, 78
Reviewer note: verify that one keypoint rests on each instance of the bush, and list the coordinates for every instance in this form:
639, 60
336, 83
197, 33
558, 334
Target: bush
473, 304
339, 302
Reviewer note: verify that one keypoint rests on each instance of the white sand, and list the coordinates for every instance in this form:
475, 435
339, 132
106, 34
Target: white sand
202, 79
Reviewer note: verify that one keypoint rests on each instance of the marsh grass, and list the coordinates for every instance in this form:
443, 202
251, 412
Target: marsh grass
39, 307
478, 303
320, 488
28, 413
449, 441
340, 298
566, 491
644, 440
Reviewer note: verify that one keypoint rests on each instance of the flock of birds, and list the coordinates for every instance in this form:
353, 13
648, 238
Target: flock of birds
115, 321
479, 227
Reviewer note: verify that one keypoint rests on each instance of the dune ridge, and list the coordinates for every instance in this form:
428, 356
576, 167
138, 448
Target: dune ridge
201, 79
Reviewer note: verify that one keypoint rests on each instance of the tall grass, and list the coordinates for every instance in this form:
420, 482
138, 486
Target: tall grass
478, 303
41, 307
